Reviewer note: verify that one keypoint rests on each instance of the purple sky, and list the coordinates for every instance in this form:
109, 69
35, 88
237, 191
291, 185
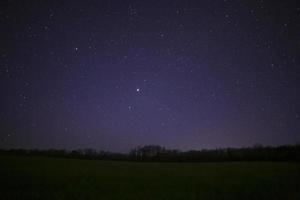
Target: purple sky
112, 75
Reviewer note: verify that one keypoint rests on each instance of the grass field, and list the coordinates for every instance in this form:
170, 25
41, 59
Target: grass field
57, 178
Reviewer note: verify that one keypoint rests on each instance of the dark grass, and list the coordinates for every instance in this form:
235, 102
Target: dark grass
58, 178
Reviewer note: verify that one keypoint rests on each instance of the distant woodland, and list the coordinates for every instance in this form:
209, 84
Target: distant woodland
156, 153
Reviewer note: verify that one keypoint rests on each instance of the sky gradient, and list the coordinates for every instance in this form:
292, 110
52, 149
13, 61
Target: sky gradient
112, 75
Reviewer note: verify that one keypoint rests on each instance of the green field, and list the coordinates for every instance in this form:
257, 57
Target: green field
58, 178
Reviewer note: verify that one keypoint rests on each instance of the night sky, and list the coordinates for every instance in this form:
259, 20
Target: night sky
112, 75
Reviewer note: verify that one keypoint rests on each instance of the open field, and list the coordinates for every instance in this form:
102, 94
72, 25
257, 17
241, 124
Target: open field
58, 178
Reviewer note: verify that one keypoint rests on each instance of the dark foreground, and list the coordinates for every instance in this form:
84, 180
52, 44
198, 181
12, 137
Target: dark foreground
58, 178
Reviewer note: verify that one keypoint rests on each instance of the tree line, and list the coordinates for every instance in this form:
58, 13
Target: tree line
156, 153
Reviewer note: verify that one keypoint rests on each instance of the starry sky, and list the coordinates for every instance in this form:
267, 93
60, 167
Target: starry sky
112, 75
